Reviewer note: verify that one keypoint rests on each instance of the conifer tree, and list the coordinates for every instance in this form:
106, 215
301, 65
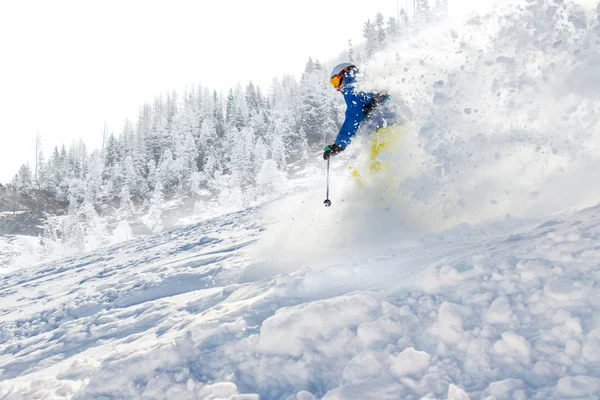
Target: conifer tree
379, 30
370, 36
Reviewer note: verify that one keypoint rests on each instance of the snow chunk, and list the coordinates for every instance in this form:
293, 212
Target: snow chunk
80, 369
449, 326
567, 326
304, 395
578, 386
532, 271
572, 348
513, 344
294, 330
591, 352
504, 389
577, 22
434, 280
409, 362
456, 393
362, 367
441, 99
219, 390
500, 311
505, 60
377, 334
566, 291
591, 347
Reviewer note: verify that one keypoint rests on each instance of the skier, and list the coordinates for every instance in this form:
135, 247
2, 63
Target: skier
362, 108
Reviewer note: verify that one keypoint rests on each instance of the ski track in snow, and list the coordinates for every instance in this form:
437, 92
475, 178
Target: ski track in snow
292, 301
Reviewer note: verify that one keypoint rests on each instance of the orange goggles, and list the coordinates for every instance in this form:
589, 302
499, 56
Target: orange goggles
336, 80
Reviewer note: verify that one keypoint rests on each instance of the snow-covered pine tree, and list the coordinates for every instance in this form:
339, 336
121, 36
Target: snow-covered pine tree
153, 218
370, 36
184, 151
379, 30
313, 113
392, 29
212, 157
97, 186
219, 118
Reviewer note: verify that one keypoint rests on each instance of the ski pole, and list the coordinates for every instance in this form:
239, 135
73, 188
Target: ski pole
327, 202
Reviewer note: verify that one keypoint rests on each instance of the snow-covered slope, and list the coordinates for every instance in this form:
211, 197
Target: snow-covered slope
474, 272
511, 310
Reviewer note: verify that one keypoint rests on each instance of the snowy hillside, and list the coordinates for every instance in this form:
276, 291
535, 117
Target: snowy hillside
469, 269
509, 310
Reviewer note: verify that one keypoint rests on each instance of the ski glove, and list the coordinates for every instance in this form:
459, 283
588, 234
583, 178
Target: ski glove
330, 150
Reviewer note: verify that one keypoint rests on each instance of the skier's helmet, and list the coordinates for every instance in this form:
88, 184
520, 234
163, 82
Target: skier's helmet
338, 72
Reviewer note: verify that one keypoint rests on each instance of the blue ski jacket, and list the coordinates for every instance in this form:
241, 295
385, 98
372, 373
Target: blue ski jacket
362, 108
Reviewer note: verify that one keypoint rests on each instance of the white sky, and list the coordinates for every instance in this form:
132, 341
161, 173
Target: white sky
66, 67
